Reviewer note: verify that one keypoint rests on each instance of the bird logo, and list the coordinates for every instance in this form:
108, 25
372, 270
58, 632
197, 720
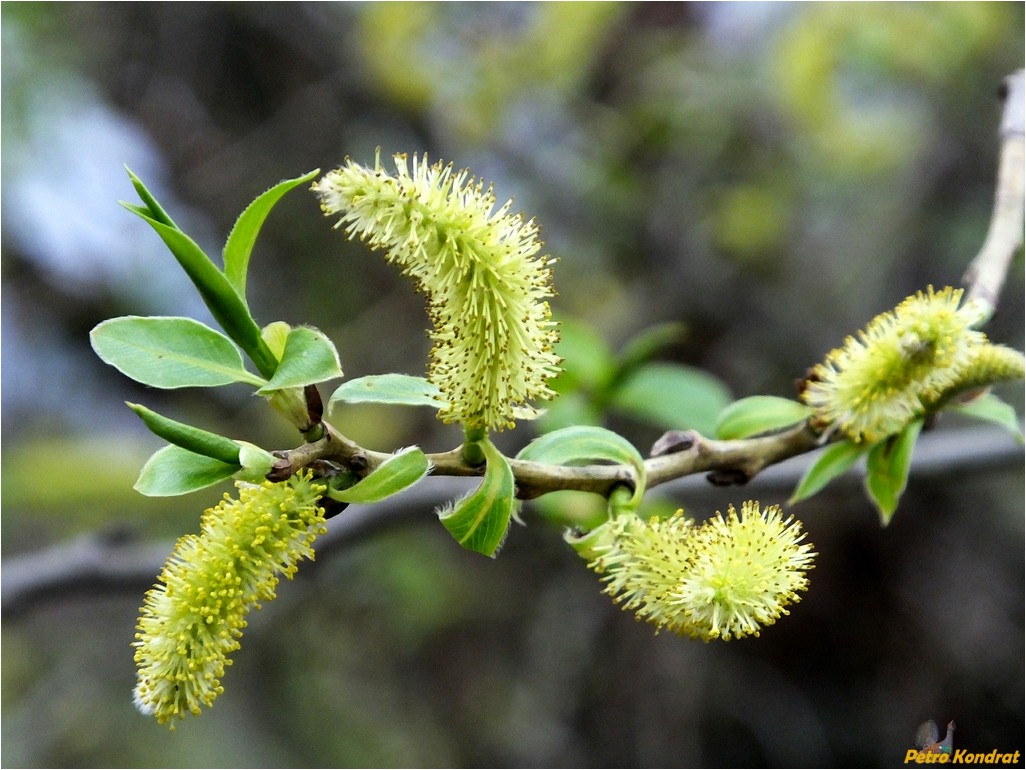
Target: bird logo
927, 738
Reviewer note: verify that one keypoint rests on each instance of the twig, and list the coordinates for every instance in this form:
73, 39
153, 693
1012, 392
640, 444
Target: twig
986, 273
99, 564
731, 462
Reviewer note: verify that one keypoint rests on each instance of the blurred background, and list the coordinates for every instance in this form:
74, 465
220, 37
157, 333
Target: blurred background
765, 176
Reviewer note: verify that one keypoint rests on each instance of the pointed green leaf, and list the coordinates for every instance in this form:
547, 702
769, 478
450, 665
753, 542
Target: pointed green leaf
309, 357
990, 408
152, 209
835, 460
169, 352
175, 471
225, 304
479, 521
584, 444
401, 389
887, 466
194, 439
672, 396
759, 414
400, 471
240, 241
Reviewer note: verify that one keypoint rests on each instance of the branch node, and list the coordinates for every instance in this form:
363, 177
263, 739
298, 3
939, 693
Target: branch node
673, 441
281, 470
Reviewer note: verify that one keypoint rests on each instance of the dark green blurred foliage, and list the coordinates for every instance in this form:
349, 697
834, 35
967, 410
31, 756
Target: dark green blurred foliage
768, 177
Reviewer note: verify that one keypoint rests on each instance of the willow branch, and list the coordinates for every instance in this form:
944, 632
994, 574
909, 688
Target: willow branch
99, 564
986, 273
682, 453
677, 454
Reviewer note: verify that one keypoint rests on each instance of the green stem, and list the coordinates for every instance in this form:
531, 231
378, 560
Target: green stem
473, 452
621, 499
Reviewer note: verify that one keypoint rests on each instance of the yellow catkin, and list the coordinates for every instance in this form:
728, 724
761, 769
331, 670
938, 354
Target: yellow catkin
727, 578
486, 284
192, 619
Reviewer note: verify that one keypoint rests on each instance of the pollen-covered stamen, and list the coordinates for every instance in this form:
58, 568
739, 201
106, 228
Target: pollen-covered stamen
725, 579
904, 364
192, 619
486, 286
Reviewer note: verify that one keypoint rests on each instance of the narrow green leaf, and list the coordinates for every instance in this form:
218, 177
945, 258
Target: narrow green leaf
239, 246
175, 471
990, 408
887, 466
672, 396
169, 352
227, 307
401, 389
835, 460
394, 475
152, 209
759, 414
479, 521
582, 445
194, 439
309, 357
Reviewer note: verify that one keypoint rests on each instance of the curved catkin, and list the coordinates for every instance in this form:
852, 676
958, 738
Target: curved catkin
479, 266
904, 364
192, 619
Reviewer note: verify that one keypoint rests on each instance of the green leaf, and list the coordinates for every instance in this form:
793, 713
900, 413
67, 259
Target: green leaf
400, 471
240, 241
588, 362
673, 396
169, 352
643, 346
759, 414
401, 389
887, 466
479, 521
256, 462
990, 408
275, 334
835, 460
582, 445
175, 471
152, 209
188, 437
567, 410
228, 308
309, 357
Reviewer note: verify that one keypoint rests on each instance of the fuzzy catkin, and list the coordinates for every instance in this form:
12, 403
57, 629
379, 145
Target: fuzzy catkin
726, 578
192, 619
486, 285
